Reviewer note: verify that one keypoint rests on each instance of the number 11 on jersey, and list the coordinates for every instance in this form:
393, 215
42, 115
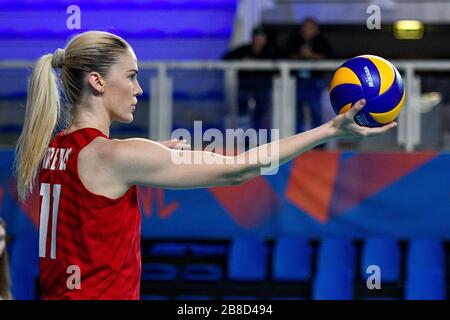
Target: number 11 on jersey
45, 212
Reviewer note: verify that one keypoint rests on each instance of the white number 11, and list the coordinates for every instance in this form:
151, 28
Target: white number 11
43, 225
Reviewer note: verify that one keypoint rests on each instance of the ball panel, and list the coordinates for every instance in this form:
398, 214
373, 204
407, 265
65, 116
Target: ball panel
345, 94
391, 115
388, 100
363, 118
398, 81
344, 75
345, 108
367, 73
386, 71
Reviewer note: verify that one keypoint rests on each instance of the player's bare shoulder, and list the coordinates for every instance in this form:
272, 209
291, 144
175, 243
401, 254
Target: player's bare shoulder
98, 170
119, 158
98, 150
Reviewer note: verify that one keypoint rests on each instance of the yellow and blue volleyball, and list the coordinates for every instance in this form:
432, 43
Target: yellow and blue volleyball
374, 79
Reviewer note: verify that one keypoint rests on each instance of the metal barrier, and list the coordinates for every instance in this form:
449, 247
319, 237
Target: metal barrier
284, 102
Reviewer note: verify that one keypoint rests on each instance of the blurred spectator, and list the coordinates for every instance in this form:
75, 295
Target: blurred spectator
308, 43
254, 93
5, 293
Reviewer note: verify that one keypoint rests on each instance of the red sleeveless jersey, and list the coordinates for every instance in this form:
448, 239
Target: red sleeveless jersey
89, 244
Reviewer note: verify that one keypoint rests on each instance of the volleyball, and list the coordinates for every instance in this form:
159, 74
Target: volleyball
371, 78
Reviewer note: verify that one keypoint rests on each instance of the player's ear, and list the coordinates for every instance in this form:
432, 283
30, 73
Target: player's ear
96, 82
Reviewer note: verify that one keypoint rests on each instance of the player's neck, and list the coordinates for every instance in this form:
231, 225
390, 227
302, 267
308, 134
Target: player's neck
90, 118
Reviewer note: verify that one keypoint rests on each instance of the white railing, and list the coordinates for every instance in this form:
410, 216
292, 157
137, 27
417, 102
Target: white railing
284, 108
284, 102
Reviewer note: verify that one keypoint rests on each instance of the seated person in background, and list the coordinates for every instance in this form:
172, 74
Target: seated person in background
254, 93
309, 44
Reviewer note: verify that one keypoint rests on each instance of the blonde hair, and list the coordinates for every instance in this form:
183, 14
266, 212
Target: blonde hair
87, 52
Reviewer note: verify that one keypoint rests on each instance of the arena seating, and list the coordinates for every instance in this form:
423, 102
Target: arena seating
249, 268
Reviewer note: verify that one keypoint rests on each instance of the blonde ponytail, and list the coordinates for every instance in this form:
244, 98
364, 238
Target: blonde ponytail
90, 51
42, 111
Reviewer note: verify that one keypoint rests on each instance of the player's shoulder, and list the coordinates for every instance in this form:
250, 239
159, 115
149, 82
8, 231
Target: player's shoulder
99, 147
115, 150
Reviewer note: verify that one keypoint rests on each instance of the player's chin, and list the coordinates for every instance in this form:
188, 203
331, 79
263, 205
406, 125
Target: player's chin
130, 118
126, 118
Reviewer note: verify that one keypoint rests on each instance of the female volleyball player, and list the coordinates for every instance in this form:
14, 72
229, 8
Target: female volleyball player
89, 232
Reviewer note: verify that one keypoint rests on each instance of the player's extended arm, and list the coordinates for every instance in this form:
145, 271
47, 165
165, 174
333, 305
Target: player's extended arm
144, 162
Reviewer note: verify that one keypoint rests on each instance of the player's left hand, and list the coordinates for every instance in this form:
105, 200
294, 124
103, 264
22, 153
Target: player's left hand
346, 127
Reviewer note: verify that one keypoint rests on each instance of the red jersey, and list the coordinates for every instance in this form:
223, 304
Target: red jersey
89, 244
